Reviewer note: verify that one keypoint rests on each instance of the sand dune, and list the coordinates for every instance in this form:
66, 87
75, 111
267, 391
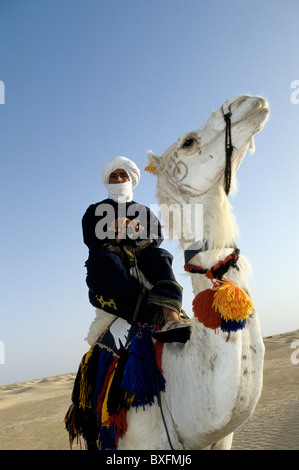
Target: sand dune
275, 422
32, 412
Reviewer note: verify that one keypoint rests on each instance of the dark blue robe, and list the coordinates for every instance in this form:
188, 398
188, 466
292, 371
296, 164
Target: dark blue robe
111, 286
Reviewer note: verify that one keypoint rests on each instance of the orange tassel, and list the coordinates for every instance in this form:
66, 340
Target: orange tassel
150, 168
232, 302
119, 421
159, 351
104, 389
204, 311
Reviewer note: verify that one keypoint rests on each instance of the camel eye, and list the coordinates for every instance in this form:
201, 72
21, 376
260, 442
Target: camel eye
188, 143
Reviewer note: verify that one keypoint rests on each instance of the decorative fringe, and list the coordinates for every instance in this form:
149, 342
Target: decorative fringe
117, 405
116, 399
232, 325
158, 353
133, 381
232, 302
107, 438
107, 385
87, 371
111, 427
105, 360
85, 387
70, 424
150, 168
105, 417
79, 422
142, 379
219, 269
226, 306
204, 311
119, 423
101, 396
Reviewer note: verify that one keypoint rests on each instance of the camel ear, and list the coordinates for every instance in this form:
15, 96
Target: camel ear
154, 163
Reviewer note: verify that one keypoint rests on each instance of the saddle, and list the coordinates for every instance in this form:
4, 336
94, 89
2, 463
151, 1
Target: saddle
122, 369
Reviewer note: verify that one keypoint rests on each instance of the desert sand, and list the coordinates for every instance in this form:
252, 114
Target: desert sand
32, 412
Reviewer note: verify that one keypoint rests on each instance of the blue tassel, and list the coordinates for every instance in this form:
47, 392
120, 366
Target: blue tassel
105, 360
142, 378
133, 377
232, 325
107, 438
154, 379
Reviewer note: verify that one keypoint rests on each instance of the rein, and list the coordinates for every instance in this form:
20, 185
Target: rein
228, 152
219, 269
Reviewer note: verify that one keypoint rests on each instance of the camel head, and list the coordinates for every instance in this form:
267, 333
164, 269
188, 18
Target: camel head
197, 162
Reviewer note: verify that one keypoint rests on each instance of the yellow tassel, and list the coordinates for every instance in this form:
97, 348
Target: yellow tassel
105, 415
84, 385
129, 400
232, 302
150, 168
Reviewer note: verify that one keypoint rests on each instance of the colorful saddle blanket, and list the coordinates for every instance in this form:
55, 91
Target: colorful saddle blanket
119, 371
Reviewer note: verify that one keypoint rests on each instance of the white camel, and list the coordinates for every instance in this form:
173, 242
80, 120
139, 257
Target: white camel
212, 385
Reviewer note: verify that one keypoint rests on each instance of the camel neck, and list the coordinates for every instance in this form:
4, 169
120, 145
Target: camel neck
219, 226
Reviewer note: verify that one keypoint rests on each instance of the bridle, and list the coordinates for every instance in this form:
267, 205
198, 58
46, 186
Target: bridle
228, 146
193, 250
228, 151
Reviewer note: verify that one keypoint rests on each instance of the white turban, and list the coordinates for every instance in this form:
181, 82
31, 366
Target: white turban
123, 190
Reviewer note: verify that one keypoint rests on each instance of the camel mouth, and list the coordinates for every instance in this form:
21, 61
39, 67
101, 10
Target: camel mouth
264, 102
262, 106
264, 111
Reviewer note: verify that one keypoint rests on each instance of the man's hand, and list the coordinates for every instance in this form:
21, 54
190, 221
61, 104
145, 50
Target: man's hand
123, 225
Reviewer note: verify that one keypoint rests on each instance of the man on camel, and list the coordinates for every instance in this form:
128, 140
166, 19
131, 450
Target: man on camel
123, 235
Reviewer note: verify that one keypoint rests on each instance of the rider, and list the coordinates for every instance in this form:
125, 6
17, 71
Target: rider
124, 236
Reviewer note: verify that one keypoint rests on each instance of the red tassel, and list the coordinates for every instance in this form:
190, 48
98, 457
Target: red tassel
119, 421
159, 351
204, 311
104, 389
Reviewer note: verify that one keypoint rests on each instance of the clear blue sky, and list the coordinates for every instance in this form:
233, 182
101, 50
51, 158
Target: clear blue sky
86, 80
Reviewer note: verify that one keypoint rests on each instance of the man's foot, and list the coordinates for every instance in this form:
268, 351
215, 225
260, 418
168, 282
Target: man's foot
175, 331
